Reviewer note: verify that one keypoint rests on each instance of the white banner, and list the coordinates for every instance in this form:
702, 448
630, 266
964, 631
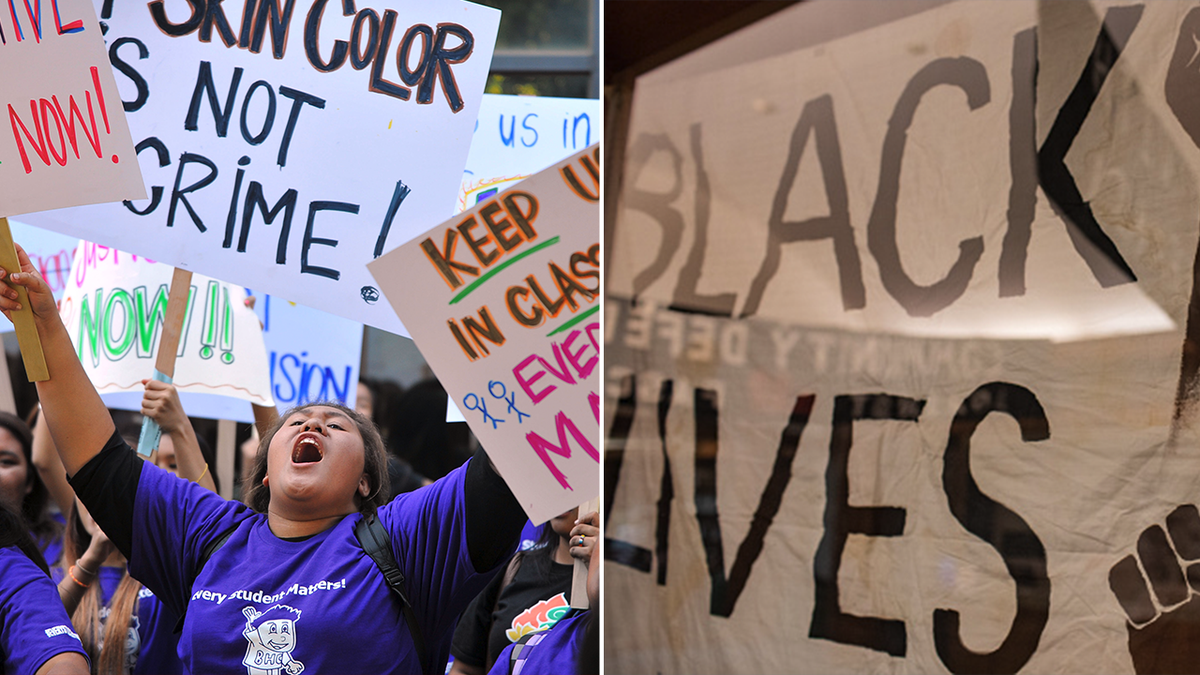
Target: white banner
69, 143
900, 351
307, 365
521, 354
518, 136
113, 309
287, 145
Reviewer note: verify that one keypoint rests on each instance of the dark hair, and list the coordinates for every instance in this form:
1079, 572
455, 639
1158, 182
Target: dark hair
541, 554
420, 434
210, 458
34, 506
13, 532
374, 460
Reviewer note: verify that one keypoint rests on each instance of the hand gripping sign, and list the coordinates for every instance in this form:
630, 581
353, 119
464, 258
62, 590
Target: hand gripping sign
503, 301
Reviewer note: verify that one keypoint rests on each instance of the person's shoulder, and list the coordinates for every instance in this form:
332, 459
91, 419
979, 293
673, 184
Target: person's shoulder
17, 570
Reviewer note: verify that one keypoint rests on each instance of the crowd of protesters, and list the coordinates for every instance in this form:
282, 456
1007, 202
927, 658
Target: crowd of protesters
363, 541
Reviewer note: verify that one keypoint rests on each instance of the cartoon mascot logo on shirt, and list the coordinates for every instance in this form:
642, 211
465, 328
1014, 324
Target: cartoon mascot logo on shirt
272, 637
540, 617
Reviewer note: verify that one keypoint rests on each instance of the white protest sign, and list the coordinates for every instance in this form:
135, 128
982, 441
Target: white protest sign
113, 309
288, 144
507, 315
66, 141
518, 136
901, 350
307, 365
301, 369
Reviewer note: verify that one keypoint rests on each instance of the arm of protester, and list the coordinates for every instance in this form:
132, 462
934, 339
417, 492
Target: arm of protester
77, 418
494, 517
160, 402
49, 466
66, 663
71, 589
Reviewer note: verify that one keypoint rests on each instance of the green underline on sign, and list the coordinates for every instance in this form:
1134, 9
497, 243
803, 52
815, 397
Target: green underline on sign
574, 321
499, 268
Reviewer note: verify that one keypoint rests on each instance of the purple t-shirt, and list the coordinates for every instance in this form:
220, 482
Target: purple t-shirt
549, 652
33, 624
151, 644
273, 606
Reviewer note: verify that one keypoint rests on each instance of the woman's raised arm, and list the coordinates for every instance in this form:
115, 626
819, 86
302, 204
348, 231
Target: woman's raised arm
78, 420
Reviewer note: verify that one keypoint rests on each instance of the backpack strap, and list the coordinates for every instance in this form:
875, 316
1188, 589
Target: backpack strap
374, 539
209, 549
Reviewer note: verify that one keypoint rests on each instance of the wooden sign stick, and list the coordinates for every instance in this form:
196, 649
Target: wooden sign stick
579, 597
27, 337
164, 364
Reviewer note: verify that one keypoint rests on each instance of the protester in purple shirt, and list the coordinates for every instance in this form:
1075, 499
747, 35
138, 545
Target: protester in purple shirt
290, 590
35, 634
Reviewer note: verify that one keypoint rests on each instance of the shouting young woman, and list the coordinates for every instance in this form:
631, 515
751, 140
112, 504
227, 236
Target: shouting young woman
290, 589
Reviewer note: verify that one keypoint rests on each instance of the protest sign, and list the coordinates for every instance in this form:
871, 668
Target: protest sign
66, 141
509, 323
307, 365
286, 145
518, 136
113, 309
302, 367
900, 350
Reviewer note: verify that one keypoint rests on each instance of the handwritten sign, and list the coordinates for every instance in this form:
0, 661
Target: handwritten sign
518, 136
508, 318
64, 140
287, 145
901, 348
113, 309
304, 365
302, 368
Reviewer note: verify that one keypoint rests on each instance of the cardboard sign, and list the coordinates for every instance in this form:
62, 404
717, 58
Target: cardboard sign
508, 318
65, 141
113, 309
287, 145
900, 370
518, 136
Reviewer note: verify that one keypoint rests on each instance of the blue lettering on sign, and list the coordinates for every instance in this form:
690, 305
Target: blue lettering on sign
296, 382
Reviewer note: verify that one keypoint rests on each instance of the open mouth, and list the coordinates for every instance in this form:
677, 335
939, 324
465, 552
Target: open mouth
307, 450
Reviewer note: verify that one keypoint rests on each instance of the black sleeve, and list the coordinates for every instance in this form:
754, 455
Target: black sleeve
107, 486
494, 516
471, 635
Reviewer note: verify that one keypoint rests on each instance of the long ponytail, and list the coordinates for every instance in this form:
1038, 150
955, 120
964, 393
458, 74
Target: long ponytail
105, 651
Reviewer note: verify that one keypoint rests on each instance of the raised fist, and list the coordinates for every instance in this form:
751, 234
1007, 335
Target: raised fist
1164, 625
